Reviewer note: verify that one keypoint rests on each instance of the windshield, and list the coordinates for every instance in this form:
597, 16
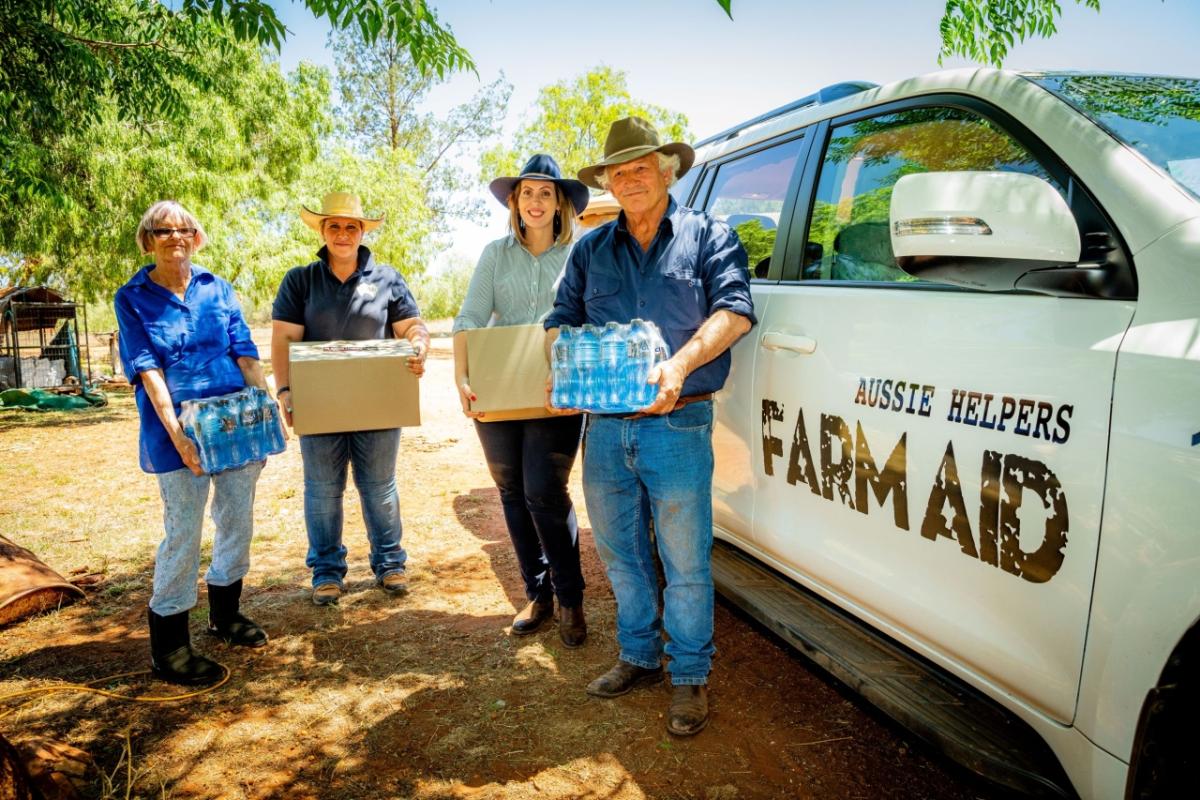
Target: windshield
1159, 117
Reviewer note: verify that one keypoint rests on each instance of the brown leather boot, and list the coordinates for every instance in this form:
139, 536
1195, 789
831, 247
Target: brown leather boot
689, 710
622, 679
572, 628
531, 617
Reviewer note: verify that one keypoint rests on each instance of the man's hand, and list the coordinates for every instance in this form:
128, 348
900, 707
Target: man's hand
669, 375
558, 412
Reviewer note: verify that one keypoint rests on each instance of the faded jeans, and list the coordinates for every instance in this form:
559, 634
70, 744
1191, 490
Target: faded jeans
184, 497
326, 458
660, 467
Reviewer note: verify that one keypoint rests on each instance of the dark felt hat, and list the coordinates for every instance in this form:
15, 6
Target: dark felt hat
542, 168
634, 137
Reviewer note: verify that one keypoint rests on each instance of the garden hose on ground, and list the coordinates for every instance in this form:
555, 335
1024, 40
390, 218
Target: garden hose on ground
90, 688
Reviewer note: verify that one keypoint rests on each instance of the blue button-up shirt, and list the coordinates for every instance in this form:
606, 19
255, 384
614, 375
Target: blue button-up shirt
195, 341
694, 266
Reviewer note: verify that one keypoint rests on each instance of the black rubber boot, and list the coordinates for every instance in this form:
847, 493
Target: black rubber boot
225, 621
171, 656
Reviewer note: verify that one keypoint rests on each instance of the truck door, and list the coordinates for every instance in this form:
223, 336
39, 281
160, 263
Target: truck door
934, 458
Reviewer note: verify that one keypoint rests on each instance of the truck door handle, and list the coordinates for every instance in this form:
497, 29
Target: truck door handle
773, 340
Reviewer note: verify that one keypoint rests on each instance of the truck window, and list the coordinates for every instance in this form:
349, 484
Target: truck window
848, 237
748, 194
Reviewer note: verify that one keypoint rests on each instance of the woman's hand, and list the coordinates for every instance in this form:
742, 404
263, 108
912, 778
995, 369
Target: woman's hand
284, 399
466, 397
187, 452
416, 362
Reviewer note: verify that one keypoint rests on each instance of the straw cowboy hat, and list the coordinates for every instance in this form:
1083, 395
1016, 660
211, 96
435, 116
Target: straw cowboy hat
339, 204
634, 137
542, 168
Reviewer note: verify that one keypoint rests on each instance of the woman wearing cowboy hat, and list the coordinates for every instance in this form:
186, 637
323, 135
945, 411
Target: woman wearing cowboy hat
345, 294
530, 460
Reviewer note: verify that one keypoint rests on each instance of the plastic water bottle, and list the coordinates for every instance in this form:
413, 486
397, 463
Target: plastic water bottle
250, 432
637, 355
274, 424
587, 363
231, 447
560, 367
611, 345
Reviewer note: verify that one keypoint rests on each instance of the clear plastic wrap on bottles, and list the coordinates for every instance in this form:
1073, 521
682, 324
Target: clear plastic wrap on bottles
232, 430
608, 370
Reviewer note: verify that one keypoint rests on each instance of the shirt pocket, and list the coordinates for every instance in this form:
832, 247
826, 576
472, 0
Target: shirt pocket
601, 296
684, 307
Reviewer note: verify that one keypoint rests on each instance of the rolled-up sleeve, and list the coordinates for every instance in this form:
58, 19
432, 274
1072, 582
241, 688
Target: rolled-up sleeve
137, 352
568, 302
480, 302
724, 265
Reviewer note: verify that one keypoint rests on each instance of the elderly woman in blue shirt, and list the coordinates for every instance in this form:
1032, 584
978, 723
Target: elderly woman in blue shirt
182, 337
530, 459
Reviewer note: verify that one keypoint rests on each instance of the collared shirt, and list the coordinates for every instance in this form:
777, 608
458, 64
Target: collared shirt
694, 266
364, 306
511, 285
195, 341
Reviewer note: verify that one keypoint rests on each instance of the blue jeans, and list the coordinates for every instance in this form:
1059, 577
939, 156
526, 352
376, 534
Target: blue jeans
530, 461
660, 467
326, 456
184, 496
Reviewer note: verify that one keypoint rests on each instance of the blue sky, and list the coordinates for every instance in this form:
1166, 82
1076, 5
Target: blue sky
688, 56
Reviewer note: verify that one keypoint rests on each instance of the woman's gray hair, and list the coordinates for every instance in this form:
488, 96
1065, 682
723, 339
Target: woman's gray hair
160, 212
665, 162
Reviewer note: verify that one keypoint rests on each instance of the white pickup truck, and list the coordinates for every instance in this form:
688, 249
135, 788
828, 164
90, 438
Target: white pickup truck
958, 460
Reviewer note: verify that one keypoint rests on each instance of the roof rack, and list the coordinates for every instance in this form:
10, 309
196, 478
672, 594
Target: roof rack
830, 93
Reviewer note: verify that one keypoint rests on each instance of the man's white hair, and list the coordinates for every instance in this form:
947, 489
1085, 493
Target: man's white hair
665, 162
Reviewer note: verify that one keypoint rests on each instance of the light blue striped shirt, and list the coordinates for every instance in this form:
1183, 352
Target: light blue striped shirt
511, 286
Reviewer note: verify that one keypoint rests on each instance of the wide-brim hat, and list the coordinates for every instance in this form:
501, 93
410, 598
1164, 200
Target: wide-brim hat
339, 204
542, 168
634, 137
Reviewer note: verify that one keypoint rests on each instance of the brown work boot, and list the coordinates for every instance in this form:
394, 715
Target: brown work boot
394, 583
530, 618
622, 679
689, 710
326, 594
572, 628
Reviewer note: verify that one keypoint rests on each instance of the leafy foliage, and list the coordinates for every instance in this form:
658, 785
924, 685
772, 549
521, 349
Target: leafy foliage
571, 120
985, 30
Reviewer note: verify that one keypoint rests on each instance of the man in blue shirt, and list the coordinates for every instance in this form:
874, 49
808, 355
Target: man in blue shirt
686, 272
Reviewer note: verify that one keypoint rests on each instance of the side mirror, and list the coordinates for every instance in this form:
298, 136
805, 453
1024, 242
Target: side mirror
981, 230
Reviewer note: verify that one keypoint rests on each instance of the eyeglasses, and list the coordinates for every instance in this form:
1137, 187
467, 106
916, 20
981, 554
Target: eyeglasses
165, 233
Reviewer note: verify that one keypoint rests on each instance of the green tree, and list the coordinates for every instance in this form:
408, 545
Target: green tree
233, 165
572, 119
985, 30
68, 64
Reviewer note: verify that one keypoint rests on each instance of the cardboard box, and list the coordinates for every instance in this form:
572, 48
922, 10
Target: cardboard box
507, 370
352, 386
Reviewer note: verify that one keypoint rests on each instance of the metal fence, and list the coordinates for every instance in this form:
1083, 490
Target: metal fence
40, 345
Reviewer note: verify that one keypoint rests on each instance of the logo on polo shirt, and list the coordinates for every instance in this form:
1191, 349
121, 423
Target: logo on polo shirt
367, 291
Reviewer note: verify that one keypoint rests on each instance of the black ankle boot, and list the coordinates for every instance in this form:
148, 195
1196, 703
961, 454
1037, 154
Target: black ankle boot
226, 623
171, 656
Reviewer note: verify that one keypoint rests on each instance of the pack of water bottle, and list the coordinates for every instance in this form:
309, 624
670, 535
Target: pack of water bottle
232, 430
604, 369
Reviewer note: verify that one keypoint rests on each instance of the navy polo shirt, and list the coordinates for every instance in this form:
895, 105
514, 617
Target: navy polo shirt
694, 266
195, 341
364, 306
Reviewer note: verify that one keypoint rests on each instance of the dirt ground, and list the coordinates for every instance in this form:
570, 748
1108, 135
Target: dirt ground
426, 696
